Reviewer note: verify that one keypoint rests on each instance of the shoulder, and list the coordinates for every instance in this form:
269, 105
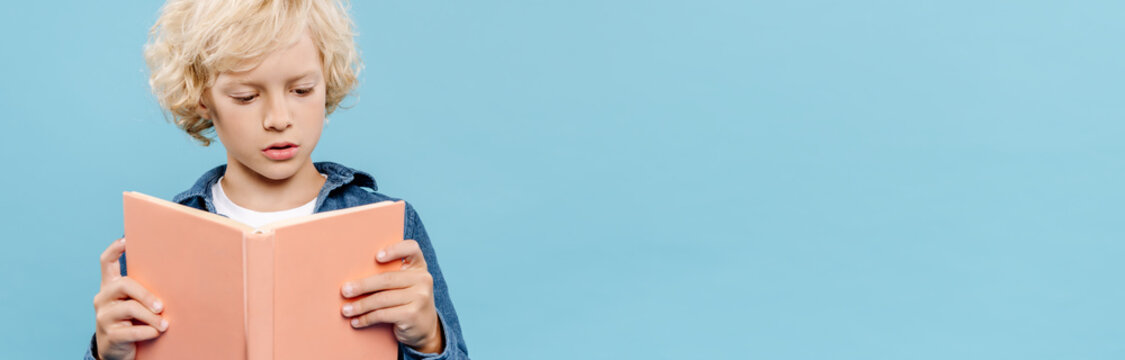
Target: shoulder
362, 195
199, 195
348, 187
412, 221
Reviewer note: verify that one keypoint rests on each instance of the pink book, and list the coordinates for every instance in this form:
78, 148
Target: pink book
234, 292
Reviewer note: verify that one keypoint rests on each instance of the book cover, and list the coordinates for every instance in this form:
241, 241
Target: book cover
234, 292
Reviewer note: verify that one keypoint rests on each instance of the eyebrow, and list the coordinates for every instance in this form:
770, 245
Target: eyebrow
291, 79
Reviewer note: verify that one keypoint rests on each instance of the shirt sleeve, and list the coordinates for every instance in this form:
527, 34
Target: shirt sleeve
455, 347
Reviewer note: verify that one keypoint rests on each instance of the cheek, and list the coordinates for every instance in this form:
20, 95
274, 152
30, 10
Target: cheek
234, 124
238, 114
312, 109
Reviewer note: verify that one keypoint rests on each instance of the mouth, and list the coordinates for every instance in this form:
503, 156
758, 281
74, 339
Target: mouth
281, 151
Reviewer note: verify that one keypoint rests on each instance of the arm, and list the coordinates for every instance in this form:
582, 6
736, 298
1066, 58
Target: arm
454, 344
414, 298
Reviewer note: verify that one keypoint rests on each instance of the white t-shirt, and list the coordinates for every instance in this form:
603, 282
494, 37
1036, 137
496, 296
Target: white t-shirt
255, 219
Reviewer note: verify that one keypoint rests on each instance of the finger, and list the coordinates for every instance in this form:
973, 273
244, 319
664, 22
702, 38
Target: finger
118, 315
111, 266
379, 300
383, 281
126, 288
393, 315
132, 333
407, 250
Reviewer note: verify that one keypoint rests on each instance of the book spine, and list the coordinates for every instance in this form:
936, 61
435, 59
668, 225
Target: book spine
258, 271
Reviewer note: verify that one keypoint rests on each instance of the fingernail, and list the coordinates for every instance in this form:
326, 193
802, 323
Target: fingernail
122, 240
355, 322
163, 325
381, 255
348, 309
157, 306
348, 288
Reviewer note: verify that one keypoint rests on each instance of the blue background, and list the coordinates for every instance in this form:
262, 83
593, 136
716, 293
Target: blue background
650, 179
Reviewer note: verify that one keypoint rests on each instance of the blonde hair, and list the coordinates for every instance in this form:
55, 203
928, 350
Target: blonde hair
194, 41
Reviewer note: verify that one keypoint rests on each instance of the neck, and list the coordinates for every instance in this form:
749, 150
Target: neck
253, 191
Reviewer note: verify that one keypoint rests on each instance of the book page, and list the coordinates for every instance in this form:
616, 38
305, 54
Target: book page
313, 260
193, 263
320, 215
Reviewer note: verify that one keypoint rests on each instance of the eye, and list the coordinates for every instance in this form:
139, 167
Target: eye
303, 91
244, 99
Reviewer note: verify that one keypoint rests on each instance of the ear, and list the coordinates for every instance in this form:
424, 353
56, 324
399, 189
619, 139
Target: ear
201, 107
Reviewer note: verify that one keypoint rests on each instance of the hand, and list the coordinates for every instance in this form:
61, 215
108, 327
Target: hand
404, 298
121, 302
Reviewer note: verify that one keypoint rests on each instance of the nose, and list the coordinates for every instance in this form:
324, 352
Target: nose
277, 115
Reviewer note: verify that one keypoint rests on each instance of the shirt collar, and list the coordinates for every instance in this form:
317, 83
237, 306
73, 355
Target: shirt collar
338, 175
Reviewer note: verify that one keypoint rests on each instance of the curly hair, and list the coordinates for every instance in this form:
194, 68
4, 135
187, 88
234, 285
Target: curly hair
193, 41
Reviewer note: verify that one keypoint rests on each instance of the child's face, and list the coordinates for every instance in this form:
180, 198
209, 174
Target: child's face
279, 102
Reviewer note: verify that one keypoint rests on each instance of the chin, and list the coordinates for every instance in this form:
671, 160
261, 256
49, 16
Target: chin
277, 171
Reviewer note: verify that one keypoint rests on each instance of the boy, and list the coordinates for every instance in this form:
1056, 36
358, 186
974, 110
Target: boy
265, 74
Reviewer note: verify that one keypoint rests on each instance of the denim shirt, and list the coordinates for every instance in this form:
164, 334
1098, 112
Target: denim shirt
346, 188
